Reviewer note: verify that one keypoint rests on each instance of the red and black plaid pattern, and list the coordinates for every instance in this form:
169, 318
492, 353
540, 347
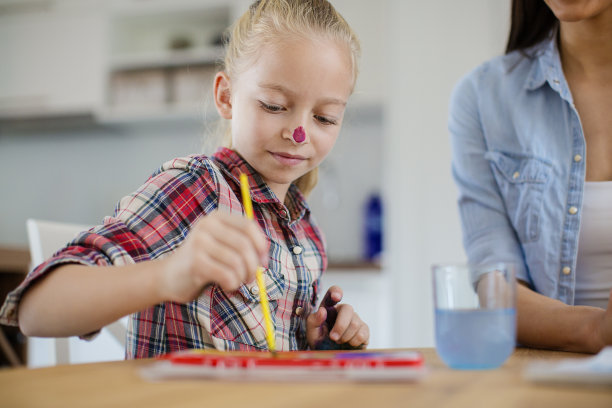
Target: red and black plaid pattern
153, 221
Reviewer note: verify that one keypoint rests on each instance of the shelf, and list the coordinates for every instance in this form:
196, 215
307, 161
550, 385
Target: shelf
166, 113
45, 119
167, 59
125, 8
353, 265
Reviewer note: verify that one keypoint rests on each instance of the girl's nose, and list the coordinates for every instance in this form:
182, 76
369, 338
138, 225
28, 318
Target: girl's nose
299, 134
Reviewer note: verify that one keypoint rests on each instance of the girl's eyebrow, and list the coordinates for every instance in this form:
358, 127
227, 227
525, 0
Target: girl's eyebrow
286, 91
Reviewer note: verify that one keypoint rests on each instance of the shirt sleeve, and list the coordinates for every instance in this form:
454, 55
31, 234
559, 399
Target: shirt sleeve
488, 235
146, 225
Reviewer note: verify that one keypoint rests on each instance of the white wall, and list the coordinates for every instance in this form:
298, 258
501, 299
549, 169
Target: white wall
431, 44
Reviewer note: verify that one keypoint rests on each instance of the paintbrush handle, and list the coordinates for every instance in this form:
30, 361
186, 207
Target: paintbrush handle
265, 306
263, 293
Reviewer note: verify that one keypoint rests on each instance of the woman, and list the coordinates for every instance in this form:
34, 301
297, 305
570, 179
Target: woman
532, 148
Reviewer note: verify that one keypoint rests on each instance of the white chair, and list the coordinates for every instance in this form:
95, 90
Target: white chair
46, 237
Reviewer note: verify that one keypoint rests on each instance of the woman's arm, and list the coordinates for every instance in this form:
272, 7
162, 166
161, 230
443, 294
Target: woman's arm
549, 323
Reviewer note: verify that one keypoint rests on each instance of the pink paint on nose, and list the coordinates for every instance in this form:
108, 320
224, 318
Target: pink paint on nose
299, 135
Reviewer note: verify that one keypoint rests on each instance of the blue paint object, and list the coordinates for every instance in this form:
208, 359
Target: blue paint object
373, 228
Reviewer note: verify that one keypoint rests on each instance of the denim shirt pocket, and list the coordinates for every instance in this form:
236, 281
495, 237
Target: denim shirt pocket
522, 181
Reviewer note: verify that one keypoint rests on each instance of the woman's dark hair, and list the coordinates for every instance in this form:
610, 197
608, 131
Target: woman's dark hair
531, 23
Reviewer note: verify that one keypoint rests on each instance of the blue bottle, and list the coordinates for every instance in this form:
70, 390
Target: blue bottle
373, 228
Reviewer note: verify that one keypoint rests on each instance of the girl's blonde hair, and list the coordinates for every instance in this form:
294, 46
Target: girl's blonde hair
266, 22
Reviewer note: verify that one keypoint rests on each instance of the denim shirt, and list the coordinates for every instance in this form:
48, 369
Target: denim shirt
519, 164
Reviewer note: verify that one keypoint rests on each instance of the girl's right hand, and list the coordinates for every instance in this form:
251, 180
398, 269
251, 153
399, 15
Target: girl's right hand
221, 248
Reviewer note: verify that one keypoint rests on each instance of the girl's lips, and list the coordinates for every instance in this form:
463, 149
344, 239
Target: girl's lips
288, 159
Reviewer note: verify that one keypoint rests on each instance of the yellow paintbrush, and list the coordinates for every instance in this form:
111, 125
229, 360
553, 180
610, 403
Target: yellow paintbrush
263, 296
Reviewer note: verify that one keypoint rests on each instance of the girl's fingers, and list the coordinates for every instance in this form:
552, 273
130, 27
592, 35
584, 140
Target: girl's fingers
232, 240
238, 251
362, 338
315, 320
352, 330
222, 255
315, 328
349, 328
343, 320
332, 296
249, 228
219, 273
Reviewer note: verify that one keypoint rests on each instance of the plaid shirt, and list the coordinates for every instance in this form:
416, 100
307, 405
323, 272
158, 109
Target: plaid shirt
152, 222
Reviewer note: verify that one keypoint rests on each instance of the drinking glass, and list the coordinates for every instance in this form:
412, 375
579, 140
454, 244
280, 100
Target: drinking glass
475, 313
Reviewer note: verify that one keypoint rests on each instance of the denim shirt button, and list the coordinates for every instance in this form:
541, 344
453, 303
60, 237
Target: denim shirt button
516, 175
573, 210
577, 158
566, 270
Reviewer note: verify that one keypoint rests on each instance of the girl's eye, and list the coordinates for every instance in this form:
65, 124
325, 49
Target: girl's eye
325, 121
270, 108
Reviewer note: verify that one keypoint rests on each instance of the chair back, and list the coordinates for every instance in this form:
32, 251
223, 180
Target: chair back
45, 238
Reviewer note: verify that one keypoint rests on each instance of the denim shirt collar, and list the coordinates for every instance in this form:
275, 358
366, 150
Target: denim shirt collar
547, 67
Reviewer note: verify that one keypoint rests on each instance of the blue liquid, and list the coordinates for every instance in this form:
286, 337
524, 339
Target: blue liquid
475, 339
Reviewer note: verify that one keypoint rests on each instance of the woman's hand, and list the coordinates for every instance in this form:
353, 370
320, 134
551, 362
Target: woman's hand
605, 326
548, 323
338, 323
221, 248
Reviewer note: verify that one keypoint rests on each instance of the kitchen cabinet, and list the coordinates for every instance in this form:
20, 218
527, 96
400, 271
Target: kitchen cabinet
129, 60
52, 58
163, 56
162, 59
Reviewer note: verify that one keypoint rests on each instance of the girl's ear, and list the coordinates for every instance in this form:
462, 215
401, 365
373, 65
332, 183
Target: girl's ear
222, 94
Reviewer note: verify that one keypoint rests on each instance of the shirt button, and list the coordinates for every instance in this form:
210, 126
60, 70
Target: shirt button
573, 210
516, 175
297, 250
566, 270
577, 158
299, 310
283, 213
255, 290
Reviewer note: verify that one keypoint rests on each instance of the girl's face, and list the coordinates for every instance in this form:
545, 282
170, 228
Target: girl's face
294, 83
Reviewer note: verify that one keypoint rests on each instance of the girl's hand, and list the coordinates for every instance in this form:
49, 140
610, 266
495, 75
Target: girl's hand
346, 326
221, 248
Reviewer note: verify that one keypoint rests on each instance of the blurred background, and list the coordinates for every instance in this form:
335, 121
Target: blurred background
95, 95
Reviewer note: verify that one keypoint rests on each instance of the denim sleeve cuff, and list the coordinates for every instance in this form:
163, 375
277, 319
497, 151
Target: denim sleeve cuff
487, 249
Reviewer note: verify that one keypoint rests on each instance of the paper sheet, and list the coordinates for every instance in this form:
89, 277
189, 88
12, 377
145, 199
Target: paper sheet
596, 370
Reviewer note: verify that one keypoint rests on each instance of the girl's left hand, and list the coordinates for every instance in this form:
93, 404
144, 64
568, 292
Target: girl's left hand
347, 327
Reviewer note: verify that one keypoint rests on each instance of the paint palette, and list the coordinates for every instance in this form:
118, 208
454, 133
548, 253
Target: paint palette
313, 366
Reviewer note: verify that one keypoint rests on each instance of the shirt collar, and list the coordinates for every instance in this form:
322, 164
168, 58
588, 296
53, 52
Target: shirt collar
232, 164
547, 67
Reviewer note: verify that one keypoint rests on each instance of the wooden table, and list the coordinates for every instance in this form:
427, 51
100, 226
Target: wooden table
118, 384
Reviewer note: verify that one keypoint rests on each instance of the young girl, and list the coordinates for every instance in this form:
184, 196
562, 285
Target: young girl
179, 255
